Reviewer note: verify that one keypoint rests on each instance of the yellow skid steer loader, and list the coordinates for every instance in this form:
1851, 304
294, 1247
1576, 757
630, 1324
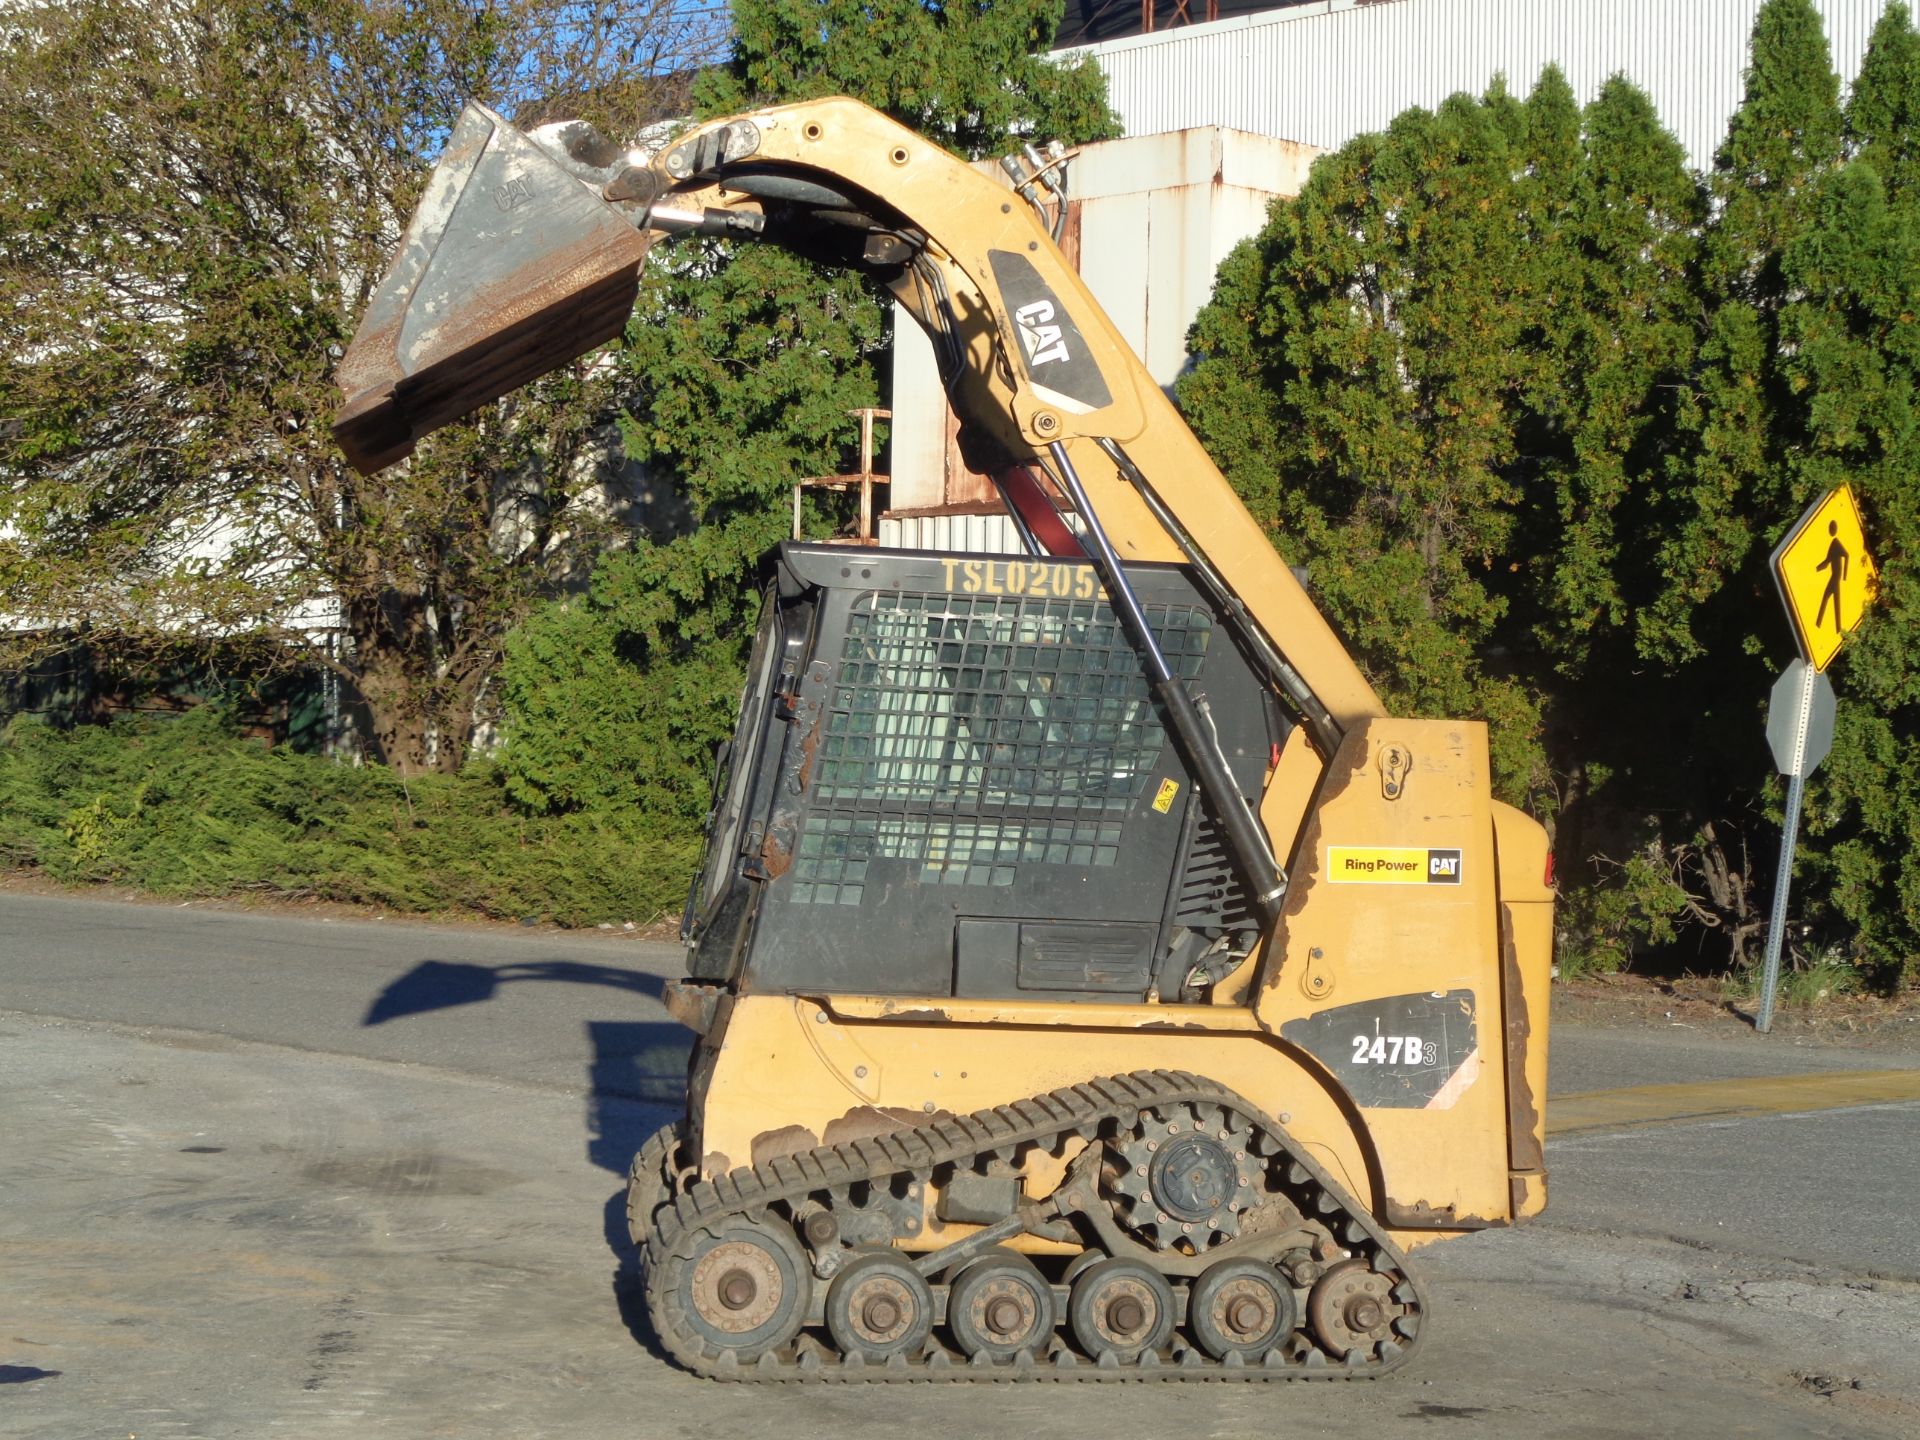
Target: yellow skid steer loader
1090, 977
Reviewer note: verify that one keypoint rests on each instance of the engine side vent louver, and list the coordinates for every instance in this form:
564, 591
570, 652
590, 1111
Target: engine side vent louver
1213, 897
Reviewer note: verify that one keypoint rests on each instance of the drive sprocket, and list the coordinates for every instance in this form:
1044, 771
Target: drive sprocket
1182, 1176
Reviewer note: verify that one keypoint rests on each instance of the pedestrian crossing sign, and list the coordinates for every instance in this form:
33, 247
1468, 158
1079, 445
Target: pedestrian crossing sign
1826, 575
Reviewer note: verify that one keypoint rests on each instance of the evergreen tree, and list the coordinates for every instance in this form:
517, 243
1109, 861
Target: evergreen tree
1685, 808
1385, 314
1883, 112
1782, 140
1621, 343
1852, 350
1619, 347
1527, 387
972, 76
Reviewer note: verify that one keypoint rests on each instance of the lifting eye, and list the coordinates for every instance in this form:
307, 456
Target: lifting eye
811, 130
899, 155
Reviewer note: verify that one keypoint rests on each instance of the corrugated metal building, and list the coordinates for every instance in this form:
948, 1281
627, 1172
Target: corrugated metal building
1329, 70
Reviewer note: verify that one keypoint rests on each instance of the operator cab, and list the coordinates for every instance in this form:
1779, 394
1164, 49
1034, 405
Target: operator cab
950, 778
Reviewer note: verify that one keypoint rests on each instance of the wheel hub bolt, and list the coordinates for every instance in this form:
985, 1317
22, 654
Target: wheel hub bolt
1126, 1315
736, 1289
1003, 1315
881, 1313
1246, 1316
1364, 1313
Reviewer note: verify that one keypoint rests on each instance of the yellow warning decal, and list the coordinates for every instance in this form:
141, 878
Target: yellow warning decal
1392, 865
1163, 802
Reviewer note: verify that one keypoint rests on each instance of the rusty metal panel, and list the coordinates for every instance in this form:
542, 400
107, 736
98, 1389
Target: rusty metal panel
1325, 73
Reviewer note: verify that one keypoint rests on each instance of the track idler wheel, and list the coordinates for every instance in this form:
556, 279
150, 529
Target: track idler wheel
1351, 1308
1000, 1306
744, 1287
1241, 1307
1121, 1308
650, 1180
879, 1307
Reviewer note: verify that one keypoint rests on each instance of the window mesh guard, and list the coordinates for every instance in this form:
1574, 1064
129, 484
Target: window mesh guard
976, 733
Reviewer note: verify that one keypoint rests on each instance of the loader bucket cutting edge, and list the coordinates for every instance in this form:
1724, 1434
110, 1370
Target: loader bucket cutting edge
510, 267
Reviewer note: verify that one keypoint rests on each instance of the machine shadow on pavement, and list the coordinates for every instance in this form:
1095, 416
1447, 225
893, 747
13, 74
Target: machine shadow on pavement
636, 1080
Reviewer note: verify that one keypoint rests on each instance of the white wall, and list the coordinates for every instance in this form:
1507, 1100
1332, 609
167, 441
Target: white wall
1327, 72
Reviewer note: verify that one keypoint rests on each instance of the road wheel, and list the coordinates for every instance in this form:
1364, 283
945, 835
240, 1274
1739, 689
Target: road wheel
741, 1286
1000, 1306
879, 1307
1121, 1308
1351, 1308
1241, 1307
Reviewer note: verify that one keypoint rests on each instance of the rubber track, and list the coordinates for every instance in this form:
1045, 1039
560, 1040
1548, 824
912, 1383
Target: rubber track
648, 1179
1043, 1119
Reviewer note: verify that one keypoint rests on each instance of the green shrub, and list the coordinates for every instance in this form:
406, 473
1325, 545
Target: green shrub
1602, 927
187, 807
598, 720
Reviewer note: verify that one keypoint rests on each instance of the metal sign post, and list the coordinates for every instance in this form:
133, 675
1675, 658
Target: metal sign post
1827, 579
1800, 730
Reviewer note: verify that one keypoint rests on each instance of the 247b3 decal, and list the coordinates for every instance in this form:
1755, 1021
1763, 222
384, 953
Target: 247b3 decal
1393, 1050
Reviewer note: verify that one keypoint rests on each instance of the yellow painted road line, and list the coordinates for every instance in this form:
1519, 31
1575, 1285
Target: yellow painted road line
1640, 1106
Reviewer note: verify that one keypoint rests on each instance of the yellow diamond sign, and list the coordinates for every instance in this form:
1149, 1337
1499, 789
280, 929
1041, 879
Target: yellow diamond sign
1826, 575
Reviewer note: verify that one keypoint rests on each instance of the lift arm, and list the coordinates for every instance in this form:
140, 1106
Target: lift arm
525, 252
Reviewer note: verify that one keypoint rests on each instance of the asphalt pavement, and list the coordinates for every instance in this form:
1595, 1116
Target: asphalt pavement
263, 1174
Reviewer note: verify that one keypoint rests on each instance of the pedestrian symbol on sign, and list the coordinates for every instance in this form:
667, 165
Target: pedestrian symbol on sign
1836, 565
